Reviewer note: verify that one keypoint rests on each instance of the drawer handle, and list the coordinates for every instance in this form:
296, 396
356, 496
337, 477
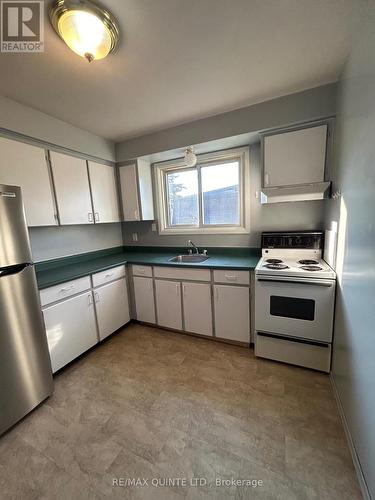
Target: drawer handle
231, 277
67, 288
108, 275
141, 271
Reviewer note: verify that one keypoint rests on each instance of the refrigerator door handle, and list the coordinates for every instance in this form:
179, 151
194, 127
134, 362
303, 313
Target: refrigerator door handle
8, 271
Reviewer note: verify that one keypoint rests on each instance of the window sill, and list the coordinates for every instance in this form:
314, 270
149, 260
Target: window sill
204, 230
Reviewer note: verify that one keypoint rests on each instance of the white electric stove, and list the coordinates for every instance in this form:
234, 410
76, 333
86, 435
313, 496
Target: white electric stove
294, 300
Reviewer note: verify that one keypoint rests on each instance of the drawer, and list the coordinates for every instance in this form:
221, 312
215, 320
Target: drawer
142, 271
59, 292
179, 273
232, 276
310, 355
108, 275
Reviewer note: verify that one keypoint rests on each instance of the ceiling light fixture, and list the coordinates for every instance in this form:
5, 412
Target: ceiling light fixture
190, 157
88, 30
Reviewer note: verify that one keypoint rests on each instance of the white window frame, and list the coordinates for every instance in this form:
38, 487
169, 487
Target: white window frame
163, 168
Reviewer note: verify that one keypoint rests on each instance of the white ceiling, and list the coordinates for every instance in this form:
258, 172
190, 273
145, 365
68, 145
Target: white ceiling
180, 60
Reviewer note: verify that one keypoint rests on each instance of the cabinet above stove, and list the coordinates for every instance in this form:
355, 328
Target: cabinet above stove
294, 164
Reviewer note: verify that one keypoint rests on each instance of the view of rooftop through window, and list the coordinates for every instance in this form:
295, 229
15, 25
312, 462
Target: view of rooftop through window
218, 188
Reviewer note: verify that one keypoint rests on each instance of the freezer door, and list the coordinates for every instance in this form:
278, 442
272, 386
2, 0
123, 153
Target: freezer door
25, 366
14, 238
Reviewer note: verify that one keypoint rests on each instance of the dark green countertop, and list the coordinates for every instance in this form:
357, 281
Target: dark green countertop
56, 271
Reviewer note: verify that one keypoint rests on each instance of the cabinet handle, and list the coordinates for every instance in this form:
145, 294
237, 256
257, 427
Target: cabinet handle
231, 277
97, 297
136, 214
184, 289
150, 285
97, 219
266, 178
216, 294
90, 301
178, 290
90, 217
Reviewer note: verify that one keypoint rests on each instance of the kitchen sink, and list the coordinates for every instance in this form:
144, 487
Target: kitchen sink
189, 258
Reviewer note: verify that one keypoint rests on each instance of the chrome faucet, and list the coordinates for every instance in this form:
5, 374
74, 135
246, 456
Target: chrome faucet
190, 243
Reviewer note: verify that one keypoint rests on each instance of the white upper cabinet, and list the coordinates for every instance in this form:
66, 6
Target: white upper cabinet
136, 191
26, 166
104, 193
72, 189
294, 157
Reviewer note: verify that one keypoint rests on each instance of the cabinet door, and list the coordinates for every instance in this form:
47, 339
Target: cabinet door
104, 194
296, 157
232, 312
112, 307
72, 189
129, 192
26, 166
168, 304
71, 328
144, 299
197, 308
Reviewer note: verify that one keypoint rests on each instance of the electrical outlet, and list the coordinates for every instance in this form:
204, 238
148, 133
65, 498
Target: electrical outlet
135, 236
153, 227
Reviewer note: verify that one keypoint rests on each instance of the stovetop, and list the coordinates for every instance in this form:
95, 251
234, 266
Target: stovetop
295, 263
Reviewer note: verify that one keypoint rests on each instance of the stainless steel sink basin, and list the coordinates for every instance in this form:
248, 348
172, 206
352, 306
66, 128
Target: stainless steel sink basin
189, 258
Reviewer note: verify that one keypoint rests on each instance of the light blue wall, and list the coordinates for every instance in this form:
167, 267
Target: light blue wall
274, 217
312, 104
354, 175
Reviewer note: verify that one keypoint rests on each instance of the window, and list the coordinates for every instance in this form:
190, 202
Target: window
211, 197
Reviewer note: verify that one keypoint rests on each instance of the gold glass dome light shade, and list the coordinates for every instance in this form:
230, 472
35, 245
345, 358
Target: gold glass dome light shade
85, 28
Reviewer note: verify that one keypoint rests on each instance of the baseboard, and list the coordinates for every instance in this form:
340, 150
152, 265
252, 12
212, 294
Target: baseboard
357, 464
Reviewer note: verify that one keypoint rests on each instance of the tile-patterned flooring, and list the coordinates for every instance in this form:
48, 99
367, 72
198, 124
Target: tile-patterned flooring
154, 405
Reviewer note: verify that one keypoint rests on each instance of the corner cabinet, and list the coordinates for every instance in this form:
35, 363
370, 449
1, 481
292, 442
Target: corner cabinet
112, 307
71, 328
26, 166
294, 157
72, 189
136, 191
104, 192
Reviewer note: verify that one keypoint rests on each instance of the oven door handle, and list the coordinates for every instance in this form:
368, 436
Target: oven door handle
298, 281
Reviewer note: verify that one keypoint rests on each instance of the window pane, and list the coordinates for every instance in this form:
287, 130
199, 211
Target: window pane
220, 191
183, 197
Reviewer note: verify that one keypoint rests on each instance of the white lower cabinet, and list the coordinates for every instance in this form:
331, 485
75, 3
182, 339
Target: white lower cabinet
168, 303
112, 307
197, 308
71, 328
232, 312
144, 299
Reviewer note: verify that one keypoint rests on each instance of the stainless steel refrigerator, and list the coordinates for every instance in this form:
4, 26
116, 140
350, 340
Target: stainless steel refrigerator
25, 366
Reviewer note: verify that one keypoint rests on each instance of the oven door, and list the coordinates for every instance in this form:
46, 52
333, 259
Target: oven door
297, 307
